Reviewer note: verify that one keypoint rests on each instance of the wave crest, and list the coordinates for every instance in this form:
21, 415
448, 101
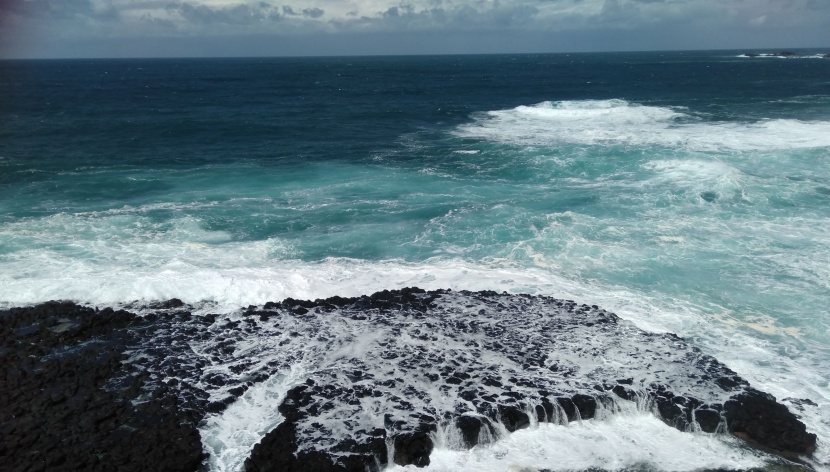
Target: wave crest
619, 122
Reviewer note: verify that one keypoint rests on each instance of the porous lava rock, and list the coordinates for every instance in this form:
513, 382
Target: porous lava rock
483, 364
277, 450
756, 416
58, 409
365, 381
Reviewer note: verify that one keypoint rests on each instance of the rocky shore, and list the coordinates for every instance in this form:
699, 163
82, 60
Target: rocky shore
61, 407
784, 54
89, 389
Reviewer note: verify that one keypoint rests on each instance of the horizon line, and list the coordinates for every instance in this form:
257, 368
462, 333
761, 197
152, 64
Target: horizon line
324, 56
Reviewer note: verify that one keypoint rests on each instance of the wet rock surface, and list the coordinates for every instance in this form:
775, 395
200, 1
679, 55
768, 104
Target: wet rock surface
377, 379
58, 408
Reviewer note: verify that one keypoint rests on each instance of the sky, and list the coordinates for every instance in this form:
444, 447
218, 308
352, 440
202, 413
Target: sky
218, 28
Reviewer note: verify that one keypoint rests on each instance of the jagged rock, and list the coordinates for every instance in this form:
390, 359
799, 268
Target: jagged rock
282, 450
509, 360
471, 428
384, 376
57, 408
513, 418
413, 448
757, 417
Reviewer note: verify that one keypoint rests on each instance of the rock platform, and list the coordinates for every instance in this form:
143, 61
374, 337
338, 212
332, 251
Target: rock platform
379, 377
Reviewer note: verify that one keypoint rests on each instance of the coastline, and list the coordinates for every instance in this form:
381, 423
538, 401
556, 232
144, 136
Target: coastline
93, 388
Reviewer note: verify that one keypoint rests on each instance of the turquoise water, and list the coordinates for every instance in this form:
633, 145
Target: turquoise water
688, 192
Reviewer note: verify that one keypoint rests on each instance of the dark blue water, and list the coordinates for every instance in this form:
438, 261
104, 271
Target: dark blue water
687, 191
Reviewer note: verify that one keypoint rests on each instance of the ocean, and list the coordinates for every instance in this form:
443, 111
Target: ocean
687, 192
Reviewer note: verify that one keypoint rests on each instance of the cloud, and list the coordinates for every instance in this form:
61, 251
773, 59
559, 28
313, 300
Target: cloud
313, 12
381, 15
679, 22
240, 14
54, 9
328, 15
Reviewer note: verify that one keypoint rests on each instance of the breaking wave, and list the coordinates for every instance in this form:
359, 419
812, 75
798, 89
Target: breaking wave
619, 122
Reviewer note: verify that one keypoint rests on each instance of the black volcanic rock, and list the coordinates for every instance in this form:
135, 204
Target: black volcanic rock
282, 450
471, 428
373, 379
495, 359
757, 417
58, 410
413, 448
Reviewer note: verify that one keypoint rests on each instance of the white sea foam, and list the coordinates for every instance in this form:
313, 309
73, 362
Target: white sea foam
114, 257
240, 274
698, 176
623, 441
229, 437
689, 171
618, 122
49, 277
324, 346
780, 56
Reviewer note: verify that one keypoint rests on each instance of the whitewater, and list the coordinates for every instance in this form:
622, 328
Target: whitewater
689, 204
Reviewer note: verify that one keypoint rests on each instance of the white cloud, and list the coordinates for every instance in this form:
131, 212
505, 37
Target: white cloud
102, 19
193, 16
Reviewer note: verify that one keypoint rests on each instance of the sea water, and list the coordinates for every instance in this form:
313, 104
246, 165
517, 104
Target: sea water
688, 192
